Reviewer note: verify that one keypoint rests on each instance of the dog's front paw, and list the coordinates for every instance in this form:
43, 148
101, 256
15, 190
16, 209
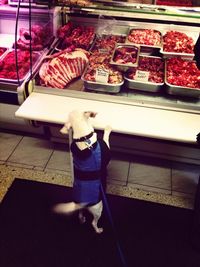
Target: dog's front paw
108, 129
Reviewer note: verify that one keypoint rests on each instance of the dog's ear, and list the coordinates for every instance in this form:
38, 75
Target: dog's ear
65, 128
91, 114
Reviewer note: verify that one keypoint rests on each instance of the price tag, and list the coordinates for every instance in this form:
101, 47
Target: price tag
103, 50
102, 75
142, 76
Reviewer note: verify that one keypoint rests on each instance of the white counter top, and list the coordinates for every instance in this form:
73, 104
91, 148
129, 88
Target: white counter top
123, 118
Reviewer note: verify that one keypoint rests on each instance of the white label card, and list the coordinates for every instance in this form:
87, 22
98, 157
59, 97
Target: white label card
103, 50
142, 76
102, 75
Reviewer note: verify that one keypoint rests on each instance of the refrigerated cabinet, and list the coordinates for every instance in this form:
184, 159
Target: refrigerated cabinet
11, 23
154, 124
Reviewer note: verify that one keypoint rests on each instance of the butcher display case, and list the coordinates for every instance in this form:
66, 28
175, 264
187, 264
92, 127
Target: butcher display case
131, 84
18, 60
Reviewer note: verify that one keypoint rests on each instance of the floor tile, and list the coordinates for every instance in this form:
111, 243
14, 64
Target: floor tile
149, 189
118, 171
149, 175
20, 165
8, 143
185, 167
59, 160
184, 181
32, 151
183, 195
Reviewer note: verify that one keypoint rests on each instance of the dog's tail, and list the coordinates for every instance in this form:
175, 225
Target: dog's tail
67, 208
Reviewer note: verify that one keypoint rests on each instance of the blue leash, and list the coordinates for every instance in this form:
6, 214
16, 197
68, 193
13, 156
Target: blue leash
123, 261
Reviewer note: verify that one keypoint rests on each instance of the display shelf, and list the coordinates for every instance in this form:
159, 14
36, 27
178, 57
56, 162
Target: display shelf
138, 11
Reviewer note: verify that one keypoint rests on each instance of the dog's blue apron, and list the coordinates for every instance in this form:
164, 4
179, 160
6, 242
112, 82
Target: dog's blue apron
87, 176
89, 172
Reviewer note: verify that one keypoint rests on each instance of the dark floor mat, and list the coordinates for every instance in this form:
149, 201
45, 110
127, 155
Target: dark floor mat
32, 236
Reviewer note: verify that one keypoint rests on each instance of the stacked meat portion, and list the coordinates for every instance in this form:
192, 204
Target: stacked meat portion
79, 36
63, 67
39, 37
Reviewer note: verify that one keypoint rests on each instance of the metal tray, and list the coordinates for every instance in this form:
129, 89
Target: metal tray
180, 91
145, 49
101, 87
173, 54
5, 50
15, 81
125, 67
105, 50
187, 56
144, 86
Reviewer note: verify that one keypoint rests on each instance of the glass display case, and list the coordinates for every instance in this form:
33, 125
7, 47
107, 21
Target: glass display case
18, 60
137, 96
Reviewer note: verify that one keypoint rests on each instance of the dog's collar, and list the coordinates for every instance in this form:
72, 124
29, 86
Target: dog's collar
84, 138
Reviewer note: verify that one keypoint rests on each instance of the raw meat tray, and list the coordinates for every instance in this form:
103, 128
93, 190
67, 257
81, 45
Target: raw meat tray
188, 56
2, 51
145, 49
179, 90
125, 66
94, 46
182, 91
101, 87
15, 81
144, 86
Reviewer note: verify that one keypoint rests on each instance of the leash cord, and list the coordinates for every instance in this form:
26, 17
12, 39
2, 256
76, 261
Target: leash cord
123, 261
104, 198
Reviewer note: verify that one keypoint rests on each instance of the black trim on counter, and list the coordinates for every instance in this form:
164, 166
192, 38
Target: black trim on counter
9, 97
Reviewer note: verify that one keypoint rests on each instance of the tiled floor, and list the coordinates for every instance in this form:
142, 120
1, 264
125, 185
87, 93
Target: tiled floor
145, 178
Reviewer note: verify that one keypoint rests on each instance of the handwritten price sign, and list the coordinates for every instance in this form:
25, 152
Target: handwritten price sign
142, 76
102, 75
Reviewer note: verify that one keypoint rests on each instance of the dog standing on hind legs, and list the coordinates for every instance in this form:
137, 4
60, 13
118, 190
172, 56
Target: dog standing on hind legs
90, 159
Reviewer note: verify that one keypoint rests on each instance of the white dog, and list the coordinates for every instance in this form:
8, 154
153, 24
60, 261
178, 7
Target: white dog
90, 159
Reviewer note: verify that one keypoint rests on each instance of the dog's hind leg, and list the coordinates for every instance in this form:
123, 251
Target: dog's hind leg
96, 211
81, 217
106, 134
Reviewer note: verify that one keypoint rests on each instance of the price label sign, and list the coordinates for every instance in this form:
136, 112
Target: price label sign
102, 75
142, 76
103, 50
